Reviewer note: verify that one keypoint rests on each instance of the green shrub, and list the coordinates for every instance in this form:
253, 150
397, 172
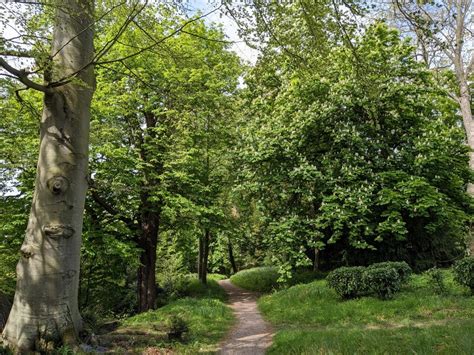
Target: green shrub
401, 267
464, 272
436, 280
4, 350
347, 281
176, 326
382, 281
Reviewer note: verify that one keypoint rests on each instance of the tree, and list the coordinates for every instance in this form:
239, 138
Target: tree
340, 159
45, 305
443, 31
153, 115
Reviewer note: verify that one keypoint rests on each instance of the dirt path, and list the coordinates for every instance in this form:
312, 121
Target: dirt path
251, 335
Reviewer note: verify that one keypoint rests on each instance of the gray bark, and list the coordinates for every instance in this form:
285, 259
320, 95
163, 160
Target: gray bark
45, 307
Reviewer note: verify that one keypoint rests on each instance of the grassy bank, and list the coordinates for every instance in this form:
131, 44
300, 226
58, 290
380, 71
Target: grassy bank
265, 279
203, 311
311, 319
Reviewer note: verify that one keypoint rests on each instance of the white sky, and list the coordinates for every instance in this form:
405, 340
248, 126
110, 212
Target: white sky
229, 26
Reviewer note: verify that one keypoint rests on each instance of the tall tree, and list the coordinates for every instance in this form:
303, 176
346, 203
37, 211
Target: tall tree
443, 30
151, 115
45, 305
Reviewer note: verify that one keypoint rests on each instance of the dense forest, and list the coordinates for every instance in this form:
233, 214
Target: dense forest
139, 152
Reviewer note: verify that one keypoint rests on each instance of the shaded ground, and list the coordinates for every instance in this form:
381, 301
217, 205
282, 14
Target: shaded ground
251, 335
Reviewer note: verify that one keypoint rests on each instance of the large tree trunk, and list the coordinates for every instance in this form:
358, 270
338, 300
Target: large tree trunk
45, 307
146, 277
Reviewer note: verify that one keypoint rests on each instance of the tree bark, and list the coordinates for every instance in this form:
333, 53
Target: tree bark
203, 256
317, 255
149, 218
466, 112
231, 257
146, 277
45, 307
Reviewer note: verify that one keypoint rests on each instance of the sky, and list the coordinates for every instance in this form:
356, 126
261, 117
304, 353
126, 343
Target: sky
228, 24
204, 6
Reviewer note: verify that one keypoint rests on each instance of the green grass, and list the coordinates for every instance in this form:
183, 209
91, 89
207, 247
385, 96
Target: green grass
265, 279
204, 311
193, 288
311, 319
260, 279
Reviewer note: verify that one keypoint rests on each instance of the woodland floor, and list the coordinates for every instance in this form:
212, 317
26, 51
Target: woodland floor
251, 335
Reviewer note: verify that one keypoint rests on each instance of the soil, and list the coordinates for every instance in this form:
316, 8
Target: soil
251, 335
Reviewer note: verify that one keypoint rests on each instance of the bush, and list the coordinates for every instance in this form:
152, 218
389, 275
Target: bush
176, 326
382, 281
464, 272
436, 280
347, 281
401, 267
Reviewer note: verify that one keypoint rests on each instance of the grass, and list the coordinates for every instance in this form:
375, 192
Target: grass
265, 279
311, 319
203, 310
260, 279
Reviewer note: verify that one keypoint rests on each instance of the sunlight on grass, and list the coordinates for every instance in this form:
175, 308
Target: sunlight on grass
417, 320
204, 311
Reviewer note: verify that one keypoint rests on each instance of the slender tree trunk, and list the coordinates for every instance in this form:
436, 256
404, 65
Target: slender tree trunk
203, 256
466, 112
200, 257
146, 276
317, 254
231, 257
45, 308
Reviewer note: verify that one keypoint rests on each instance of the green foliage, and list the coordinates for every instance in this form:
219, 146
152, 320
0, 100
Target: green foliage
260, 279
348, 282
436, 279
176, 326
4, 350
401, 267
464, 272
360, 156
382, 281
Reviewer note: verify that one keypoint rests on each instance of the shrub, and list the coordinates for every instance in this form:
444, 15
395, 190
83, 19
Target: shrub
436, 280
176, 326
347, 281
464, 272
401, 267
382, 281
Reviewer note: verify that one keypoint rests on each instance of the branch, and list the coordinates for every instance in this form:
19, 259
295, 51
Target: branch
157, 42
109, 208
22, 76
19, 54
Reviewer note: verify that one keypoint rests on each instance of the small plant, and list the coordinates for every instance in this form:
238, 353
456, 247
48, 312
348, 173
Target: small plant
437, 281
177, 326
383, 281
347, 281
4, 350
401, 267
464, 272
